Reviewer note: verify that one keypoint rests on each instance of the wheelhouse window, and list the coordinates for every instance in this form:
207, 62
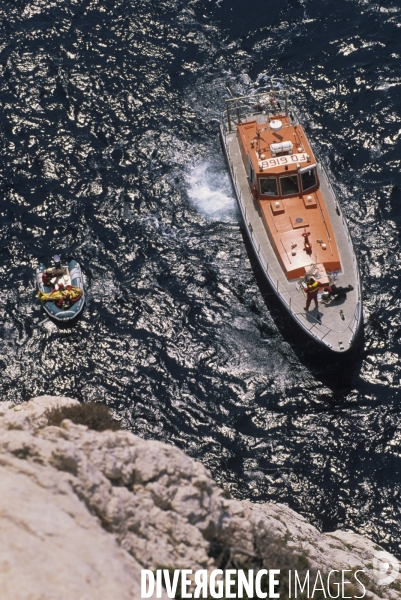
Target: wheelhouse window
308, 179
268, 186
289, 185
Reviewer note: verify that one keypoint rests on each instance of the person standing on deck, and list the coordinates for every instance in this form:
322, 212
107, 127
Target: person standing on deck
311, 292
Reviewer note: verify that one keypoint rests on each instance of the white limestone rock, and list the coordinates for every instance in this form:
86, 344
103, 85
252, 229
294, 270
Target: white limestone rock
32, 413
84, 512
52, 547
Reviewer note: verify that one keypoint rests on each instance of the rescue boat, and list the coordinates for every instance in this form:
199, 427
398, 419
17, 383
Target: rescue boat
60, 289
292, 215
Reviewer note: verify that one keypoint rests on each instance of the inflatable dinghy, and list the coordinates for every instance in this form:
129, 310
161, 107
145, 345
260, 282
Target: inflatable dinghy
60, 289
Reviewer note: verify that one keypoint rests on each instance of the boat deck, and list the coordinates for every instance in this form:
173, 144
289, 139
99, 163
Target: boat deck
335, 323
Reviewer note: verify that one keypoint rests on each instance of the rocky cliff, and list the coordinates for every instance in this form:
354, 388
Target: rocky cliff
82, 512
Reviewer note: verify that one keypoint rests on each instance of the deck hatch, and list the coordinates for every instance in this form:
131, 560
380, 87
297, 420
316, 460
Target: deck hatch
282, 223
299, 220
277, 207
310, 201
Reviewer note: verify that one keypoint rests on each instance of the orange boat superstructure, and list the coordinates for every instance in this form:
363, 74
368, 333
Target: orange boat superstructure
282, 168
292, 215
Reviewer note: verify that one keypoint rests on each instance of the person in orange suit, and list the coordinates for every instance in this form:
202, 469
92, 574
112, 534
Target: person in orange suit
311, 290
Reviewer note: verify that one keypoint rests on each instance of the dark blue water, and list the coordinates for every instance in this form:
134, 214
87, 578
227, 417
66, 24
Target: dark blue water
110, 154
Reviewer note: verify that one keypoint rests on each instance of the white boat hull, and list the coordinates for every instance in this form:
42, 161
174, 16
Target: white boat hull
335, 325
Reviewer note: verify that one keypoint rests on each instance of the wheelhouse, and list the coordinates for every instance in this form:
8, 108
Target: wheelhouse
303, 181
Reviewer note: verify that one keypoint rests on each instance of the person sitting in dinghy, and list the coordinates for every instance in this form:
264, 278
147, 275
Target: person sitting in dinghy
334, 292
50, 274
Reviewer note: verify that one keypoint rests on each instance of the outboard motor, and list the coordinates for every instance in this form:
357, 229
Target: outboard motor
57, 261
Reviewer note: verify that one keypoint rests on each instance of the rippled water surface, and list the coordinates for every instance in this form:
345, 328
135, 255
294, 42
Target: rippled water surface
110, 154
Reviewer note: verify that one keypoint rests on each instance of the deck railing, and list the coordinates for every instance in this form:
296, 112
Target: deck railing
358, 311
265, 102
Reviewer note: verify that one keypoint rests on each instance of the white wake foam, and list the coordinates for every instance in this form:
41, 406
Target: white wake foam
210, 192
